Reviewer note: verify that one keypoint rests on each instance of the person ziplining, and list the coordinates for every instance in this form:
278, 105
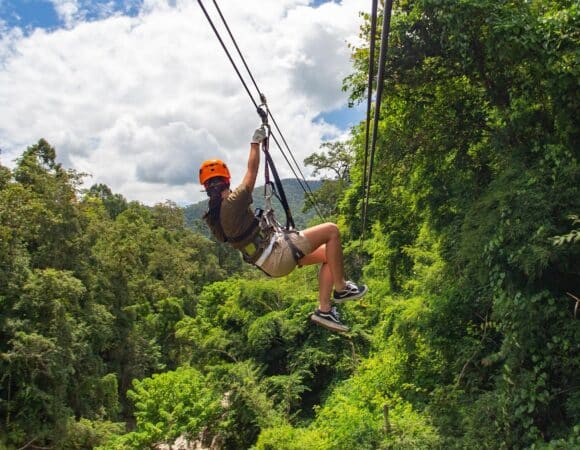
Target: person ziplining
263, 242
272, 248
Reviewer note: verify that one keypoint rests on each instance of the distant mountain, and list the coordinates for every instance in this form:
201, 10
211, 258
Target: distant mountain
294, 194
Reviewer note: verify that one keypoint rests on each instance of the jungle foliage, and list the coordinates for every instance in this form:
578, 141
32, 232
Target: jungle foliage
121, 328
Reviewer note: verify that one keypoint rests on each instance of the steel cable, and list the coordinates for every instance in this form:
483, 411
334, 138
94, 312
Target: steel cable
310, 193
380, 77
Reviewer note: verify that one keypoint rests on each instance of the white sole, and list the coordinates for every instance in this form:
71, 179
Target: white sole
329, 324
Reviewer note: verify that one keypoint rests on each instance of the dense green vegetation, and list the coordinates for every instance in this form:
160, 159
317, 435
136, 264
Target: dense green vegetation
121, 328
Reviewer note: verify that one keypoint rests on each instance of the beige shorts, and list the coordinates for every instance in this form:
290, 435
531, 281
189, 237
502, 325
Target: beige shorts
280, 261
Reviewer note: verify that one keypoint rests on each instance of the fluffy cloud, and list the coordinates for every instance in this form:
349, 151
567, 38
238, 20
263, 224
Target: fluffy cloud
67, 11
139, 102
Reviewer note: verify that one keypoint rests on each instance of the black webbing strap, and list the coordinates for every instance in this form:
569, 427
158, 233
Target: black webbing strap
270, 166
280, 192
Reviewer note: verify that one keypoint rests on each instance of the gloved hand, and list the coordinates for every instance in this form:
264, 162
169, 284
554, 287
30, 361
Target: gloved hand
259, 135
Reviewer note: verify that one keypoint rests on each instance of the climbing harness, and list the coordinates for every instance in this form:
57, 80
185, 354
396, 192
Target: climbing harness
257, 251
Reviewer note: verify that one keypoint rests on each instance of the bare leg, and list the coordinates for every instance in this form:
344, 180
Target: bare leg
325, 281
325, 238
324, 287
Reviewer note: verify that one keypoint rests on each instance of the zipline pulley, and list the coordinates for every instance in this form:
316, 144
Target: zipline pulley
263, 109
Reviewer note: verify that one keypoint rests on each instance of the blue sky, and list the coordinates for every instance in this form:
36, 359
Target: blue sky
138, 92
30, 14
344, 117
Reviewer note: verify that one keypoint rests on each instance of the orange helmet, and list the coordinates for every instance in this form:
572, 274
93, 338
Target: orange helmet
213, 168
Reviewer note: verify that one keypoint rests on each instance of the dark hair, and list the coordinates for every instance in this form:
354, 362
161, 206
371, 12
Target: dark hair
214, 188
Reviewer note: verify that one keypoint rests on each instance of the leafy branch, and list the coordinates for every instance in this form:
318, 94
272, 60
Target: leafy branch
571, 237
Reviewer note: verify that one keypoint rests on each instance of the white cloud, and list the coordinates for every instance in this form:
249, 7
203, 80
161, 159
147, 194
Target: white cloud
139, 102
67, 11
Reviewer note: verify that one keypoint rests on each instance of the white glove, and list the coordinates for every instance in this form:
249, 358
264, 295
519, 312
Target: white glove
259, 135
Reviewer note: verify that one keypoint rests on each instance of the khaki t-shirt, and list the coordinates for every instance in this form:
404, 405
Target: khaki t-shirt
237, 216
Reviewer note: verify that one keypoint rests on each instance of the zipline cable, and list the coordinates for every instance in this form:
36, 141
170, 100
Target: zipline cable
243, 59
236, 45
369, 94
313, 198
380, 77
310, 193
227, 52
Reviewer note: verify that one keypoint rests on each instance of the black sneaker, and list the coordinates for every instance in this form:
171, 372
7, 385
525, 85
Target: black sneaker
329, 320
351, 292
